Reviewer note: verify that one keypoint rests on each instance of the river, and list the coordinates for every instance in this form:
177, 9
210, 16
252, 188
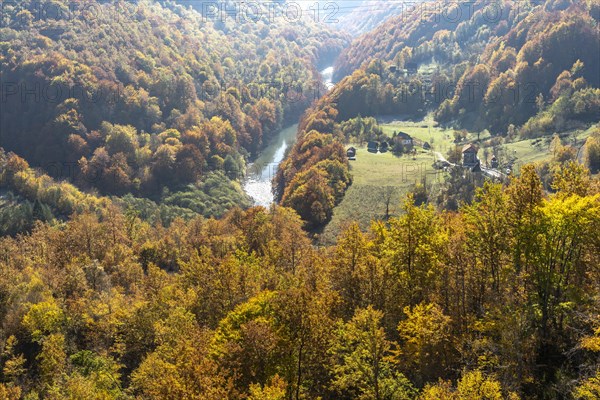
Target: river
260, 173
327, 75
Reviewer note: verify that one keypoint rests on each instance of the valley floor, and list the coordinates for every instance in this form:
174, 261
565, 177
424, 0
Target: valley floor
379, 178
384, 178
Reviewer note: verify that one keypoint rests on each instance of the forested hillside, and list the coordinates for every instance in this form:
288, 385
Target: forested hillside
496, 301
433, 31
134, 266
537, 76
29, 196
136, 97
487, 65
361, 16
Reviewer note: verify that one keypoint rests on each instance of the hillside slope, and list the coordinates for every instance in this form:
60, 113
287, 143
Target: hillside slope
135, 97
486, 65
538, 75
361, 16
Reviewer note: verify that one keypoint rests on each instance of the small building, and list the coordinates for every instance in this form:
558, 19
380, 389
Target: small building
469, 154
405, 138
372, 146
494, 162
426, 146
383, 147
393, 69
402, 143
351, 152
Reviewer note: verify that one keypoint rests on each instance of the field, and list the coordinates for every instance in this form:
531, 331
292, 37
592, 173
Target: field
441, 140
378, 177
381, 176
536, 150
528, 151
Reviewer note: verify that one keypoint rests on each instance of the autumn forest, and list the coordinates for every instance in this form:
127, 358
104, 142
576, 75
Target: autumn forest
136, 264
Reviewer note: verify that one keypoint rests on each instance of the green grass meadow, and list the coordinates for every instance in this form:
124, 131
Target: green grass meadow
374, 174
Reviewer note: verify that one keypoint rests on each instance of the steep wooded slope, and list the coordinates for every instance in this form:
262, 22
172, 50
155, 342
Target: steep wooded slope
135, 97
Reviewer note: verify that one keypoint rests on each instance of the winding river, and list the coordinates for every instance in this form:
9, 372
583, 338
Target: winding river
260, 173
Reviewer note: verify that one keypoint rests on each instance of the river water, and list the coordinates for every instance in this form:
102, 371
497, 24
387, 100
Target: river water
260, 173
327, 75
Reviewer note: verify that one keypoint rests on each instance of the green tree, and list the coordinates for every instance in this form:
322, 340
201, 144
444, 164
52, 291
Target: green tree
426, 341
179, 367
571, 178
592, 151
247, 343
525, 194
559, 271
473, 385
413, 246
589, 389
488, 233
362, 364
52, 359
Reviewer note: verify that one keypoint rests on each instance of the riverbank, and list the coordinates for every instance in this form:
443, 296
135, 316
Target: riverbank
260, 173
